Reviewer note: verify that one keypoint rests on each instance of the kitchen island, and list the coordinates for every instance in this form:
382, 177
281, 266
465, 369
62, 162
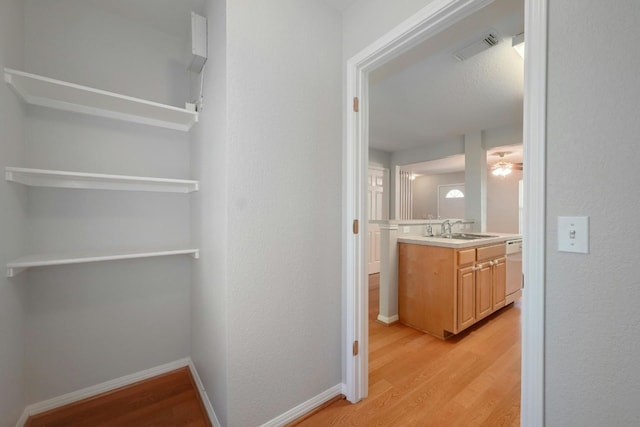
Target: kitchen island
445, 285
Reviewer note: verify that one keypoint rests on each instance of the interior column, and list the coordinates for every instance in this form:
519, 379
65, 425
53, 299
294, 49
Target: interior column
475, 202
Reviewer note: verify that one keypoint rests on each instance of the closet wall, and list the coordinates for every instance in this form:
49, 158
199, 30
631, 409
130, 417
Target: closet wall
90, 323
209, 312
13, 202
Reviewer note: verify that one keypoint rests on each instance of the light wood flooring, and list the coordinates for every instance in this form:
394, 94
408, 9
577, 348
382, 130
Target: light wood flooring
170, 399
472, 379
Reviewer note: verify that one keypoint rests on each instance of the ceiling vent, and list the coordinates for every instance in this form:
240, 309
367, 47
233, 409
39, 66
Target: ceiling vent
488, 40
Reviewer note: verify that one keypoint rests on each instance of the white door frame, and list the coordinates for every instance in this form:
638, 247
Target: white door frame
436, 16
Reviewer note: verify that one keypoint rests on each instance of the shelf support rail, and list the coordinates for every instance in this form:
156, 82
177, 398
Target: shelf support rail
14, 271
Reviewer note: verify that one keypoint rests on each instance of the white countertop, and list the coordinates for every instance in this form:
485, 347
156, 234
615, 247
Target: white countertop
458, 243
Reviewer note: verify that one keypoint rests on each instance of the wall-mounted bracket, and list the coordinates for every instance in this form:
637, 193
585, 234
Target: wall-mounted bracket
14, 271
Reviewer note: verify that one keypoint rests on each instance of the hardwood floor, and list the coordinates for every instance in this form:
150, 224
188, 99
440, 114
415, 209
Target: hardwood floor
170, 399
472, 379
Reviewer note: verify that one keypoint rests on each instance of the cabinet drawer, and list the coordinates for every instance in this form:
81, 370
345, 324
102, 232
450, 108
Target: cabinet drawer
494, 251
466, 256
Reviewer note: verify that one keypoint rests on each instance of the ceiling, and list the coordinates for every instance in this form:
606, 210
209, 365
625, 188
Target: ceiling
426, 96
512, 153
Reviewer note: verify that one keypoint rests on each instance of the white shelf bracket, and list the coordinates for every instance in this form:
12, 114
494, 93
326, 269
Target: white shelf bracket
196, 255
14, 271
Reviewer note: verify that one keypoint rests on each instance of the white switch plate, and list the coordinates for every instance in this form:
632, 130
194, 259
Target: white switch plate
573, 234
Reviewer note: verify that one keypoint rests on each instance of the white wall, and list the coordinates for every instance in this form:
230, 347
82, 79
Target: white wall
103, 50
209, 331
502, 203
592, 317
502, 198
365, 21
13, 203
379, 158
284, 285
267, 298
91, 323
425, 192
491, 138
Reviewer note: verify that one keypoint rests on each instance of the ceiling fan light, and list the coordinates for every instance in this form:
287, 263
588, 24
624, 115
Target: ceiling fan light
502, 169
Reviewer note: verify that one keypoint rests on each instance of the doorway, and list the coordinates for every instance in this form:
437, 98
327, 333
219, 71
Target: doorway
378, 210
429, 21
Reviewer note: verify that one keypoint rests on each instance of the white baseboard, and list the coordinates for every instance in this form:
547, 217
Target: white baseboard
65, 399
203, 395
306, 407
388, 320
23, 418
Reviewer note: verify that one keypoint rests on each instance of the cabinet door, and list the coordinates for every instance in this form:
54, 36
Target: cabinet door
484, 290
499, 283
466, 297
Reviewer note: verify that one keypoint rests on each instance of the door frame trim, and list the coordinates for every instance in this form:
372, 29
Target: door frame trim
436, 16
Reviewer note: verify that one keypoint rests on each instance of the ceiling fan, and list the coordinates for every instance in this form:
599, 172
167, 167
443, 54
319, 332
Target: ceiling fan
502, 167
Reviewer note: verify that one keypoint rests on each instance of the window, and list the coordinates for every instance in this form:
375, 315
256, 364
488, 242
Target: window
454, 194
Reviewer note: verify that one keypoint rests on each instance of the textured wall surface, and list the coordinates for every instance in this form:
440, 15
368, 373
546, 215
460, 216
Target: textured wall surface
365, 21
13, 202
284, 206
592, 317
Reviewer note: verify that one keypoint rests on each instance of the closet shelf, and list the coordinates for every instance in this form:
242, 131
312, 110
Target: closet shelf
17, 266
95, 181
47, 92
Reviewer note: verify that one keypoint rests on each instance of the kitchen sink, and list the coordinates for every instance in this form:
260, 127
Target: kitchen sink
466, 236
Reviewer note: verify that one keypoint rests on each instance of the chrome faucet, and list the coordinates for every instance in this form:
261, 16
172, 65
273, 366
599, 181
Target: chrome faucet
443, 228
448, 224
429, 232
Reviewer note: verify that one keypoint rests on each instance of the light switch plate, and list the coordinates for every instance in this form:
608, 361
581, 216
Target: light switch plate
573, 234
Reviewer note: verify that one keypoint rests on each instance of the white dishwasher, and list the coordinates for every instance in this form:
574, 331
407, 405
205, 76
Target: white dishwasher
514, 269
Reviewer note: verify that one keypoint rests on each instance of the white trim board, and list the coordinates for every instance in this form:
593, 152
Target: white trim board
97, 181
535, 129
65, 399
305, 407
203, 395
430, 20
61, 95
388, 320
17, 266
436, 16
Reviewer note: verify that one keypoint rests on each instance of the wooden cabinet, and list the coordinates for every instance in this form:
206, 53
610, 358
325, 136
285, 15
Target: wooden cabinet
466, 297
443, 291
499, 283
484, 290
